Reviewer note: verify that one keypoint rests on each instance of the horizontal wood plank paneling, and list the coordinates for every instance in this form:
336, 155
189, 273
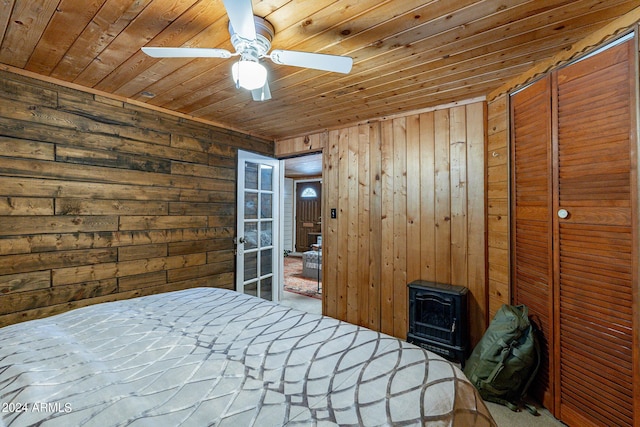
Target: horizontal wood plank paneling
15, 225
101, 200
303, 144
409, 194
25, 281
25, 206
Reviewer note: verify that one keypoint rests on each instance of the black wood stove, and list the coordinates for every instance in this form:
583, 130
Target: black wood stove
438, 319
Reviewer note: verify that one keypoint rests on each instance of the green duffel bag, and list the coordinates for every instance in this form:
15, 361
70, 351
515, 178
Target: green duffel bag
506, 360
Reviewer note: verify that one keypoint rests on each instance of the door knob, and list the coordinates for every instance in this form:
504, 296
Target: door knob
563, 213
242, 240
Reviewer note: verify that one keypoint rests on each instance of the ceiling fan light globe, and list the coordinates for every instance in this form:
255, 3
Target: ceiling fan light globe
249, 74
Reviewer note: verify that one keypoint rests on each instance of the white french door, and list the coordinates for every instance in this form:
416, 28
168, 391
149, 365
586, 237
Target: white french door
258, 238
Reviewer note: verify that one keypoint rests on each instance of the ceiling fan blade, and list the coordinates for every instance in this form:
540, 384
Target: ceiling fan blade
262, 94
241, 17
317, 61
186, 52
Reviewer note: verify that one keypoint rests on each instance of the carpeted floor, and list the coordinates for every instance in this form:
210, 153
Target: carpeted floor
295, 282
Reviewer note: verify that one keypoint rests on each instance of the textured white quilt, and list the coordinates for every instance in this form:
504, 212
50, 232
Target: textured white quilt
209, 356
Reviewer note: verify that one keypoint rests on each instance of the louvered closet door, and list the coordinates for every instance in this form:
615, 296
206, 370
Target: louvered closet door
532, 233
593, 266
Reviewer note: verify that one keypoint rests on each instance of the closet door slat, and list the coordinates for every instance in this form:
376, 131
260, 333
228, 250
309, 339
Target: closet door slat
531, 197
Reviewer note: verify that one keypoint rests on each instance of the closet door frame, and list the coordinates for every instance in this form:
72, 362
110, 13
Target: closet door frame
635, 205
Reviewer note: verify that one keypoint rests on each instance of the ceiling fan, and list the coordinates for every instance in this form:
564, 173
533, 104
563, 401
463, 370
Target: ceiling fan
251, 38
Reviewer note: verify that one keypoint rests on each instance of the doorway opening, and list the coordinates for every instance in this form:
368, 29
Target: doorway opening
302, 231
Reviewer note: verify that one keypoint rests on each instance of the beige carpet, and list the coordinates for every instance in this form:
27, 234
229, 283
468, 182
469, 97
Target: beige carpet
505, 417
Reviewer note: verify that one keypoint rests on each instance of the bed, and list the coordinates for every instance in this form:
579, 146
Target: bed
207, 356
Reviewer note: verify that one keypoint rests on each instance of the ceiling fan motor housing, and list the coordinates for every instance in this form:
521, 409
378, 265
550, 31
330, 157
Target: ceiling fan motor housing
253, 50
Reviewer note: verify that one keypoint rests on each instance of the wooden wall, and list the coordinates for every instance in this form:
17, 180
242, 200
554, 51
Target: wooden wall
307, 144
498, 205
409, 194
103, 200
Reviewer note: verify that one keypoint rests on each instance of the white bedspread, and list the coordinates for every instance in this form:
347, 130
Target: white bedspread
209, 356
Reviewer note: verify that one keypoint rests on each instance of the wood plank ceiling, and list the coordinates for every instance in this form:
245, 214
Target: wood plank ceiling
408, 54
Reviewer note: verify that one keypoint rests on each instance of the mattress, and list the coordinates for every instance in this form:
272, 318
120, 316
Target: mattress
209, 356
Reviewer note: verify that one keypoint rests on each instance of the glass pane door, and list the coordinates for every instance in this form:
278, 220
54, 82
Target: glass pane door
257, 259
